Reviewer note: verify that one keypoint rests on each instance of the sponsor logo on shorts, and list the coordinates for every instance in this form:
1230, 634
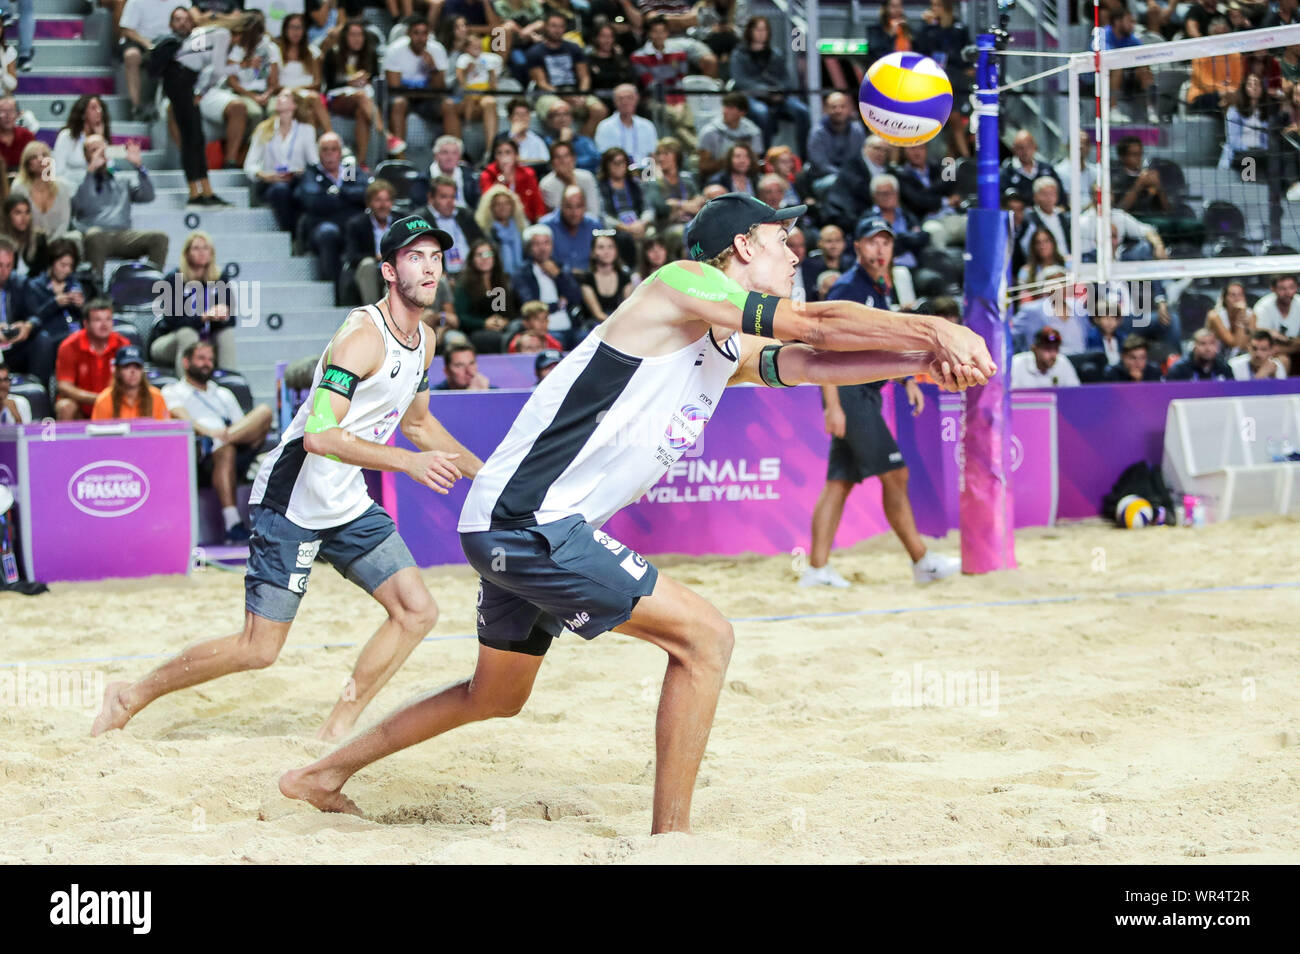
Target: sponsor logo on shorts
608, 542
579, 620
108, 488
635, 565
307, 553
298, 583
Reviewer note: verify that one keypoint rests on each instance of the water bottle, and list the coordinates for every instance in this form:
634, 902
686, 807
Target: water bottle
1287, 449
1275, 450
1189, 509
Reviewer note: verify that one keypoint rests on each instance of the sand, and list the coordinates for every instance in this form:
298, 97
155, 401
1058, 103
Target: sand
1159, 728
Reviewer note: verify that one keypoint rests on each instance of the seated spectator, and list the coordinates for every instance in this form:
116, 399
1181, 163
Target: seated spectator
544, 279
609, 65
679, 16
31, 242
415, 66
522, 22
572, 230
831, 254
715, 27
1204, 363
1043, 366
239, 98
84, 366
1276, 311
501, 218
448, 152
1136, 188
14, 409
230, 440
534, 319
199, 307
782, 161
456, 220
279, 152
531, 147
87, 117
1046, 215
506, 170
54, 300
300, 72
460, 365
1231, 319
1199, 19
1215, 79
1139, 241
348, 72
1128, 84
546, 362
890, 33
849, 197
826, 281
102, 209
739, 172
362, 235
713, 190
661, 65
757, 69
130, 396
634, 134
1102, 337
1133, 364
13, 137
838, 140
475, 70
1014, 202
1021, 170
327, 198
652, 256
677, 195
1247, 124
557, 127
930, 198
731, 126
23, 345
484, 298
1052, 306
943, 37
556, 65
1149, 315
624, 207
606, 283
50, 197
1262, 361
564, 173
908, 237
1043, 253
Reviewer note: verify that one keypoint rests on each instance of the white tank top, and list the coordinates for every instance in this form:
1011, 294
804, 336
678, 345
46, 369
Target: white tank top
598, 432
316, 492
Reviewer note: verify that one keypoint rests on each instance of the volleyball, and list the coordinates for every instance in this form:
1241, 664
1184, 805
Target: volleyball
1133, 512
905, 98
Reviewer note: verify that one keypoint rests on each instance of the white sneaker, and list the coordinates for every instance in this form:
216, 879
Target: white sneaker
1153, 116
1293, 193
823, 576
935, 566
1119, 115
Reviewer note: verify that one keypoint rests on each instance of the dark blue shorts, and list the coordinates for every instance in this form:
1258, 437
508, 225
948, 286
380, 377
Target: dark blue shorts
539, 580
366, 550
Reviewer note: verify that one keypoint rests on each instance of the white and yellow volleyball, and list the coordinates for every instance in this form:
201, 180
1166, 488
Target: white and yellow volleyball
905, 98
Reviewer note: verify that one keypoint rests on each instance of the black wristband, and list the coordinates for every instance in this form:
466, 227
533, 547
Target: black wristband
339, 380
768, 372
759, 315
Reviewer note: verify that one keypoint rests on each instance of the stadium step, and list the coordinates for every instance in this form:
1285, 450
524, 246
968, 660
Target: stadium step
177, 197
67, 81
123, 133
52, 108
284, 269
79, 8
54, 55
60, 27
247, 221
222, 179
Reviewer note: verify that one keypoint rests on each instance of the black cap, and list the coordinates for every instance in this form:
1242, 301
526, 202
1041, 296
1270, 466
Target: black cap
716, 225
127, 354
869, 227
546, 359
405, 231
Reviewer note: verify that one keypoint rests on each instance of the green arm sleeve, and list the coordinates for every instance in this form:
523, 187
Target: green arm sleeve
712, 285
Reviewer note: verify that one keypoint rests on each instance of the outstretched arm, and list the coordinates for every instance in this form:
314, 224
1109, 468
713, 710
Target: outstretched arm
776, 365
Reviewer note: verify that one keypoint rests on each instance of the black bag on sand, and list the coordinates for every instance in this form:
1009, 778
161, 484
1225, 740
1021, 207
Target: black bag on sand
1145, 481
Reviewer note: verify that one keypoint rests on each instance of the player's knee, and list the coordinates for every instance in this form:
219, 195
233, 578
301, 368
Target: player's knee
258, 653
710, 650
497, 702
415, 616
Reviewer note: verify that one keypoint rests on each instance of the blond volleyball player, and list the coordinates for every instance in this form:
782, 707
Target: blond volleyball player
310, 497
531, 522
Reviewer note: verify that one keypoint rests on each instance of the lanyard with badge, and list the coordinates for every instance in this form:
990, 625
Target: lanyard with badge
283, 166
627, 216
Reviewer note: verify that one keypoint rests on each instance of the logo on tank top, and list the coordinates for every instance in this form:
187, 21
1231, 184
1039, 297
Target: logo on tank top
686, 426
397, 369
381, 430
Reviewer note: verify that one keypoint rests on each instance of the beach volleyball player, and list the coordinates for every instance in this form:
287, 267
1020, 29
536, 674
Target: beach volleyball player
601, 430
310, 497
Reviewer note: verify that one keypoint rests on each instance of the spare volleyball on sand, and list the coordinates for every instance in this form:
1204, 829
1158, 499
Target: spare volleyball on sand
905, 98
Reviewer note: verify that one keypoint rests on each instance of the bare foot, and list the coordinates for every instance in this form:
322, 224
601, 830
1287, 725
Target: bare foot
113, 714
311, 787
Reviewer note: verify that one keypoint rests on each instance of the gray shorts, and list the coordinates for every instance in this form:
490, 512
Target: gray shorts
867, 447
538, 581
367, 551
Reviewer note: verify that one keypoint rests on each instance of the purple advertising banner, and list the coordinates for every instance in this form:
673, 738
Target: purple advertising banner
748, 486
112, 500
502, 370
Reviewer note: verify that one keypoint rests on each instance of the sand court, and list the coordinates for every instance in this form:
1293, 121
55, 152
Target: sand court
1027, 717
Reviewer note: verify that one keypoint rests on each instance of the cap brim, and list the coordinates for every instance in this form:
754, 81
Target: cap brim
792, 212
